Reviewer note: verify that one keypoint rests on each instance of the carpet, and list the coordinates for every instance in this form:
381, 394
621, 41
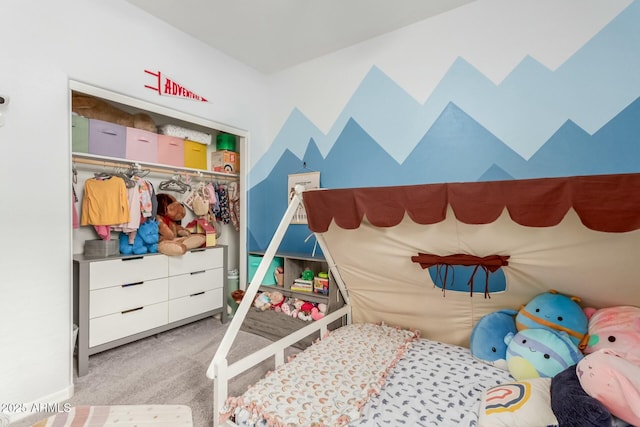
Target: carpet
165, 369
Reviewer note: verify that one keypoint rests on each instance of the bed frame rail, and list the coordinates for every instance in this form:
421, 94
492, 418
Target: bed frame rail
220, 370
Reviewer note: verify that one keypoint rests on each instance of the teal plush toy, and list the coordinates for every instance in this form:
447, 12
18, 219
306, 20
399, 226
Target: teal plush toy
146, 240
487, 342
556, 312
534, 353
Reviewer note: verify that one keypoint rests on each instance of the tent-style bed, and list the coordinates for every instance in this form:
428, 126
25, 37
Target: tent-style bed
577, 235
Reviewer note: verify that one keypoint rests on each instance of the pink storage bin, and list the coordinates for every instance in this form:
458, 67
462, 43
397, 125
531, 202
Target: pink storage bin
170, 150
142, 145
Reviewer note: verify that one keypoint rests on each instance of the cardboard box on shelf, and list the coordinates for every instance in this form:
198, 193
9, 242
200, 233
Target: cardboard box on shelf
225, 161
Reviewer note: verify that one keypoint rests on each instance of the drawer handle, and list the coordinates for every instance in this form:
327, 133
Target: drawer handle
197, 272
144, 140
109, 132
133, 309
126, 285
198, 250
132, 258
195, 295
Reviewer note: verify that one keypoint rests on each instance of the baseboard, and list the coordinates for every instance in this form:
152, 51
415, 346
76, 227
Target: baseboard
51, 403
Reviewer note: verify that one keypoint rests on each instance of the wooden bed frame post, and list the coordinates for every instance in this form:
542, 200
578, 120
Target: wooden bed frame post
219, 363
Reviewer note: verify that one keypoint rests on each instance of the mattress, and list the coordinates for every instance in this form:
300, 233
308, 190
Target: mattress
377, 379
435, 384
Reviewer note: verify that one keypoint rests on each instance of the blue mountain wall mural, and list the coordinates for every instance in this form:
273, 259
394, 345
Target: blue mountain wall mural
581, 119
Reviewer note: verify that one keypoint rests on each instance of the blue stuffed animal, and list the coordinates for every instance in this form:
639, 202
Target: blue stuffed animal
534, 353
488, 337
146, 240
556, 312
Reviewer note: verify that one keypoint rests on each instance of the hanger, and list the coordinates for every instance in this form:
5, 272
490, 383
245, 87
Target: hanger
175, 184
128, 182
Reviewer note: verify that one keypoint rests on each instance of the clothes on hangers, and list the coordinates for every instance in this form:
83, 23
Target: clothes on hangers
105, 202
234, 204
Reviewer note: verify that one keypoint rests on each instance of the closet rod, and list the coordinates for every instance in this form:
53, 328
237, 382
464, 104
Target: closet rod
153, 168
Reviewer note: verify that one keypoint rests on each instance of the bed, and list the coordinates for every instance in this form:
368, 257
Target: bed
555, 233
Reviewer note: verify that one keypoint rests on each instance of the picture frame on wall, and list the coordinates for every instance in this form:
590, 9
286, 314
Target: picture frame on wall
310, 181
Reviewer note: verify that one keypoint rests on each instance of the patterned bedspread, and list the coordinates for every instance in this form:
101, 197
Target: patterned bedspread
328, 383
435, 384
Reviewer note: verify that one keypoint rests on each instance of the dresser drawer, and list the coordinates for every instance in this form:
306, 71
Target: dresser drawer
123, 271
119, 325
191, 305
196, 260
125, 297
191, 283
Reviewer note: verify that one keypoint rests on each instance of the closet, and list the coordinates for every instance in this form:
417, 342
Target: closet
170, 170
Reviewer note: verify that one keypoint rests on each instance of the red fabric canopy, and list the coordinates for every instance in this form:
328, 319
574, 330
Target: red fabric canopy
609, 203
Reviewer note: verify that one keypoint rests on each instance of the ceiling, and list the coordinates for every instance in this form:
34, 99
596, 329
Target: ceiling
271, 35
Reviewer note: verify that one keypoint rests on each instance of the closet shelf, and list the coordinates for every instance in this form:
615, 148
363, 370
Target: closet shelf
92, 159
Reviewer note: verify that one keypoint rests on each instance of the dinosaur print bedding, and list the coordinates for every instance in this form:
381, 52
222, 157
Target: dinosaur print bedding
434, 384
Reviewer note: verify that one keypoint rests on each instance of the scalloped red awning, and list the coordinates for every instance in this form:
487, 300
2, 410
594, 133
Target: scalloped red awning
609, 203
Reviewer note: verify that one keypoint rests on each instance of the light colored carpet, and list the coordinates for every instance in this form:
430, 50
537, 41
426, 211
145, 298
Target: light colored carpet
169, 368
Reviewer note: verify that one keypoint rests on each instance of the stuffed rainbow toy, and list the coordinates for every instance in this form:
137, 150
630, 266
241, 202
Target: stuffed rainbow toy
617, 328
614, 381
487, 342
556, 312
534, 353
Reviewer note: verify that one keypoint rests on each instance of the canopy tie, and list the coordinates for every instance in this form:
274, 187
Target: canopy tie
489, 264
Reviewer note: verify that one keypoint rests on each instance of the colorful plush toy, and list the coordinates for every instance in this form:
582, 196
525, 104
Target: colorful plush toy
488, 337
262, 301
614, 381
556, 312
318, 312
617, 328
533, 353
145, 241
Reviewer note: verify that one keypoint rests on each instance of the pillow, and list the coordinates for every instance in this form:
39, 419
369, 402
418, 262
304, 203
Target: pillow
487, 342
521, 403
534, 353
614, 381
617, 328
573, 406
555, 312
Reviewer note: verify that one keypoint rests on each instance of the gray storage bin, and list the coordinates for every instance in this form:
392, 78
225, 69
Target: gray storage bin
101, 248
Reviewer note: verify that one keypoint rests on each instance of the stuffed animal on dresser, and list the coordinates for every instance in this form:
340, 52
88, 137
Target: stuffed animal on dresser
145, 241
174, 238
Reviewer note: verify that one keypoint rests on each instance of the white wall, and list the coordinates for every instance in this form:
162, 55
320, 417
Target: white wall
107, 44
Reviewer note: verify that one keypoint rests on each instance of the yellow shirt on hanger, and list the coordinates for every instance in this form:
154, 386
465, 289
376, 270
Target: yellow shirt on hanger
105, 202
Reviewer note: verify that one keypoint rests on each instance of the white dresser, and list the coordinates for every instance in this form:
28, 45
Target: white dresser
121, 299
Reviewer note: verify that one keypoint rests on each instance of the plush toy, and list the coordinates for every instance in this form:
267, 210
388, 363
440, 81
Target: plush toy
174, 238
488, 337
533, 353
316, 314
617, 328
94, 108
277, 300
614, 381
262, 301
145, 241
572, 406
554, 311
